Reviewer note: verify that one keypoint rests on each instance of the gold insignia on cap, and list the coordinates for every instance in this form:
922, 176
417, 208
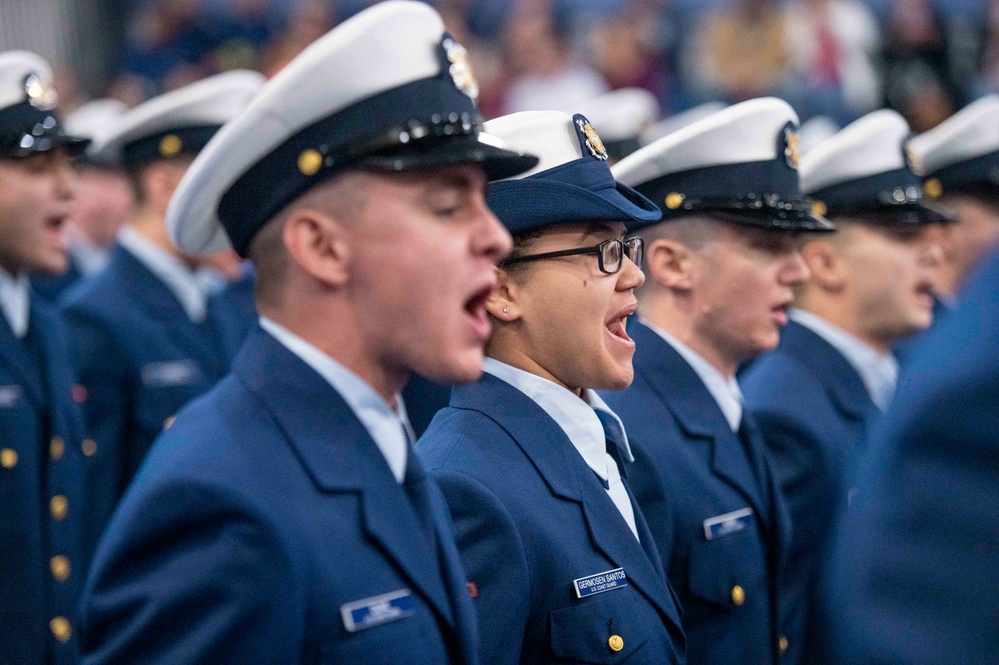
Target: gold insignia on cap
171, 145
933, 188
913, 160
674, 200
309, 162
819, 208
593, 141
41, 95
792, 150
461, 68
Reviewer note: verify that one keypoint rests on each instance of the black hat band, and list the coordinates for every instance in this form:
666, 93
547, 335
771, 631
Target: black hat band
167, 144
396, 122
882, 192
978, 177
26, 129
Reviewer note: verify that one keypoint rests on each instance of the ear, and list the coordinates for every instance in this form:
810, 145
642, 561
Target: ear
503, 303
825, 265
670, 263
319, 244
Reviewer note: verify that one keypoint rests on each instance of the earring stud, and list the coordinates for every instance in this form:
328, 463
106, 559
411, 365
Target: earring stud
506, 310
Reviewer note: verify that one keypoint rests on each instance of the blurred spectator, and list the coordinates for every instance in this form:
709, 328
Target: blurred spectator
834, 49
918, 80
989, 78
309, 20
625, 51
545, 72
165, 36
742, 51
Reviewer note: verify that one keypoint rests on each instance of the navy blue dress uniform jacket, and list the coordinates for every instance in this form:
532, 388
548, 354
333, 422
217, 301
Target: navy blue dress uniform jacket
689, 468
140, 359
42, 501
814, 411
236, 308
530, 518
915, 560
259, 517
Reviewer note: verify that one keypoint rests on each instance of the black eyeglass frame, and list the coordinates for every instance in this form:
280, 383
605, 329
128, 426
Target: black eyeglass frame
633, 248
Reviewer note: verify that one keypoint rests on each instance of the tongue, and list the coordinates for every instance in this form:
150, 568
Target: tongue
617, 329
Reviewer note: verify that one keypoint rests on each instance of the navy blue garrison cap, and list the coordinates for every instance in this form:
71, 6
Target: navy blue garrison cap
572, 181
739, 165
961, 154
387, 90
28, 121
866, 171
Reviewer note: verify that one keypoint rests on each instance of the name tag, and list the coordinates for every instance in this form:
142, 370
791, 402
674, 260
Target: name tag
376, 610
727, 524
606, 581
9, 396
170, 373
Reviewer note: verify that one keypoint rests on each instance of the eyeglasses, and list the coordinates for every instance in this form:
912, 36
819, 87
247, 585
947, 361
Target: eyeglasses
610, 254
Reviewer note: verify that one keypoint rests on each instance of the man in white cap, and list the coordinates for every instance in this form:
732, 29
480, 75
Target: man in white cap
834, 371
960, 158
283, 517
42, 504
145, 341
102, 203
720, 273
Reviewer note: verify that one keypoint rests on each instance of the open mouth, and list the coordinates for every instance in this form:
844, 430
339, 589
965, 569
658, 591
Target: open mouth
780, 313
617, 326
475, 308
55, 222
924, 291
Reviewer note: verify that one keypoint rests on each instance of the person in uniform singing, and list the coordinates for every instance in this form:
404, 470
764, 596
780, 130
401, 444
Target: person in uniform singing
42, 449
560, 561
871, 285
145, 342
283, 517
721, 270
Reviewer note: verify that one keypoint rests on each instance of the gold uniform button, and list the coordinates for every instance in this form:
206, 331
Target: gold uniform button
782, 643
60, 568
738, 595
57, 447
616, 643
89, 447
59, 506
8, 458
61, 629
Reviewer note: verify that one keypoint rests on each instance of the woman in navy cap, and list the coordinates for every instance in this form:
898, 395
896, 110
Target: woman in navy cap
560, 561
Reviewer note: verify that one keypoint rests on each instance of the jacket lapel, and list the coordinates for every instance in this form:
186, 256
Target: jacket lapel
340, 456
568, 477
697, 413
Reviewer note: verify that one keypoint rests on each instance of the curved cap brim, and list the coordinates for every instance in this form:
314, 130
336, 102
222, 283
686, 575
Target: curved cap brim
482, 149
802, 223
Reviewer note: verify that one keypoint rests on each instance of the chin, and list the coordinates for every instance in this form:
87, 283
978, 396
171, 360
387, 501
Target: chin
52, 265
458, 368
617, 378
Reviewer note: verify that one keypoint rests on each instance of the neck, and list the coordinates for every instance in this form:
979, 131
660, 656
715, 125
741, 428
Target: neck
346, 342
501, 348
840, 314
152, 226
678, 317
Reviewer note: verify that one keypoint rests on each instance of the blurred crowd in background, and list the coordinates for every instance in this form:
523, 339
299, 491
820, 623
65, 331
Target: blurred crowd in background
834, 58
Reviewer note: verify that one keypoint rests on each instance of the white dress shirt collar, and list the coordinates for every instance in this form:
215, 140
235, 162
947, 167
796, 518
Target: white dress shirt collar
879, 372
726, 391
177, 277
579, 421
389, 428
15, 301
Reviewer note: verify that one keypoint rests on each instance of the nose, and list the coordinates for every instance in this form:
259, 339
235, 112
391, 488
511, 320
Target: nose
795, 270
630, 276
491, 239
63, 179
932, 250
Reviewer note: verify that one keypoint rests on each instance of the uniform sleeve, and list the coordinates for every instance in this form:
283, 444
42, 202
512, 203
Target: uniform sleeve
493, 554
187, 574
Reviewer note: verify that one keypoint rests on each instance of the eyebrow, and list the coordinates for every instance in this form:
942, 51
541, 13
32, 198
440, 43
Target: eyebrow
598, 228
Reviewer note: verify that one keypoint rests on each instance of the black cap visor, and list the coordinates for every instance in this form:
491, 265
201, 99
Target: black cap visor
764, 212
482, 149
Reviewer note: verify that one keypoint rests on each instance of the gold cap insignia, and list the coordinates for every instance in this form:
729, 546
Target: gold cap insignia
933, 188
310, 161
593, 142
461, 68
792, 150
819, 208
674, 200
171, 145
42, 96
